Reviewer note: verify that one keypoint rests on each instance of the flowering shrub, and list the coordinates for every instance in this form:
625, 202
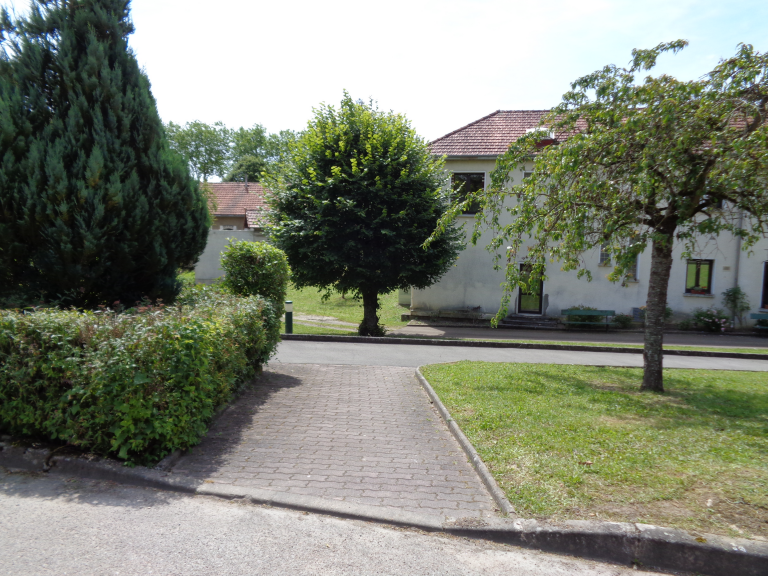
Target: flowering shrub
711, 319
137, 384
623, 320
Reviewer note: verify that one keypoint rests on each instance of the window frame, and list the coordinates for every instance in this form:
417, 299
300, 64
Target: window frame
604, 258
474, 208
690, 291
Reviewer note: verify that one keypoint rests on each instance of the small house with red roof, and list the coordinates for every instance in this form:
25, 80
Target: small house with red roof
238, 210
472, 288
236, 205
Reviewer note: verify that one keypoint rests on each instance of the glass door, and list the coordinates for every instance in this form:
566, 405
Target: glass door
529, 301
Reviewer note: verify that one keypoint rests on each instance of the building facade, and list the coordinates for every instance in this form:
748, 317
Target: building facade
474, 287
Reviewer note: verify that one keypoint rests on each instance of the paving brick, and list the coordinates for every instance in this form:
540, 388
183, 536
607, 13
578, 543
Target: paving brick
364, 434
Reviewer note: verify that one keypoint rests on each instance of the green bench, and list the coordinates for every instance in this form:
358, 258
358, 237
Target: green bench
576, 312
759, 317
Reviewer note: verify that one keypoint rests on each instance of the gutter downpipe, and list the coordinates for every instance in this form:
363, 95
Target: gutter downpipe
738, 260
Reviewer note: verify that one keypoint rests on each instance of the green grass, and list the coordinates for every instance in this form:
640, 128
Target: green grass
623, 345
305, 329
187, 278
583, 442
308, 301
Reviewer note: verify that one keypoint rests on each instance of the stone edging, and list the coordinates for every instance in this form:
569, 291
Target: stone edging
522, 345
477, 463
623, 543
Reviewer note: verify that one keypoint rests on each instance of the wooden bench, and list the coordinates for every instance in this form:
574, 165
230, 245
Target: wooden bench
576, 312
759, 317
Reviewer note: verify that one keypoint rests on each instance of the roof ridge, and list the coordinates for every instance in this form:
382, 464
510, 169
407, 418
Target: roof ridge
484, 118
468, 125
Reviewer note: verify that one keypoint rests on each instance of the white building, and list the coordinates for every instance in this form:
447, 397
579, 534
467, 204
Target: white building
473, 286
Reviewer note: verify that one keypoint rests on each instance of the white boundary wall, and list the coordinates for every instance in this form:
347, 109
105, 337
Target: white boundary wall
208, 268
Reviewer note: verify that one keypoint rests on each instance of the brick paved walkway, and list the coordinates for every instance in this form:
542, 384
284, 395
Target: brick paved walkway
363, 434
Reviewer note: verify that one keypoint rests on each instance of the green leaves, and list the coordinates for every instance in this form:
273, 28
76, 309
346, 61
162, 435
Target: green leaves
94, 207
365, 188
636, 161
137, 385
256, 268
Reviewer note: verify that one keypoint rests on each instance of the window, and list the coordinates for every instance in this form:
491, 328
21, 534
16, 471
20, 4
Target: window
465, 182
228, 227
698, 278
632, 270
764, 302
605, 257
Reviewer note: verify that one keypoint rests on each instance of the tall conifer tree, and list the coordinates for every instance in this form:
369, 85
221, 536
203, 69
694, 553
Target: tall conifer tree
94, 206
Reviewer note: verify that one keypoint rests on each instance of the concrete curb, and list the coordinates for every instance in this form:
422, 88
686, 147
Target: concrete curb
623, 543
525, 346
477, 463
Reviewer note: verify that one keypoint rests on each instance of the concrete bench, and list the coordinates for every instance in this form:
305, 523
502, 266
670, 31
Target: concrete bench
576, 312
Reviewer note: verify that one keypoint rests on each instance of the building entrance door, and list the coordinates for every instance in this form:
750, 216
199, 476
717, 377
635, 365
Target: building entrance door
529, 301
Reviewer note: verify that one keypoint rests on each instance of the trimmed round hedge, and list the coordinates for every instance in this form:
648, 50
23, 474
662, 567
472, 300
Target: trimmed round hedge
256, 268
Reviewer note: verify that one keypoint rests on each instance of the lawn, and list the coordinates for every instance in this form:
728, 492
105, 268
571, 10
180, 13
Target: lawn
308, 301
578, 442
639, 346
321, 330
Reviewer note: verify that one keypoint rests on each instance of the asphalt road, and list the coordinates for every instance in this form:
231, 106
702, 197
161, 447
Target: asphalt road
49, 525
409, 355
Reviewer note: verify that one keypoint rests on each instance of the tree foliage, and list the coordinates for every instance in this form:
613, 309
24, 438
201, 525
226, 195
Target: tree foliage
94, 206
638, 162
355, 203
232, 155
206, 147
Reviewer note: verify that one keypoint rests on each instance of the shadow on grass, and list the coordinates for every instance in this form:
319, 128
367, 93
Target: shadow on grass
690, 400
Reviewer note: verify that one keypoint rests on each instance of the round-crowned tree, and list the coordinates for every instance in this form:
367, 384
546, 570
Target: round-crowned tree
355, 203
94, 206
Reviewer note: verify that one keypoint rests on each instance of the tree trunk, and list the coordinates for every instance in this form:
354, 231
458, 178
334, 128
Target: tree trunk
655, 306
370, 324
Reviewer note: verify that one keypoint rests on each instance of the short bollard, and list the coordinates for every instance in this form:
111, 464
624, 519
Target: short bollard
289, 317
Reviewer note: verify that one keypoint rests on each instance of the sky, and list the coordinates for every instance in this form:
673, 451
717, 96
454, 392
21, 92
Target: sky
441, 63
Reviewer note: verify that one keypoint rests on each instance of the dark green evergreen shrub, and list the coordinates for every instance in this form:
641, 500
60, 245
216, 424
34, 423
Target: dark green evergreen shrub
94, 206
256, 268
136, 385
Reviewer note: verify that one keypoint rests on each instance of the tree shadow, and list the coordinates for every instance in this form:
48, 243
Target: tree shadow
233, 426
682, 405
63, 488
227, 430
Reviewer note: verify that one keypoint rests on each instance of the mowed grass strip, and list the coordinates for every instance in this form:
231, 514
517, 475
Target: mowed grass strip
581, 442
636, 346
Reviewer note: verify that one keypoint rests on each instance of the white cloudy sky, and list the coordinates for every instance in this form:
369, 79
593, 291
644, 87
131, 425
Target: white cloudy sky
442, 63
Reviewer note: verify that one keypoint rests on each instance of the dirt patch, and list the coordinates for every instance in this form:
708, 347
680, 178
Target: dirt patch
323, 319
700, 510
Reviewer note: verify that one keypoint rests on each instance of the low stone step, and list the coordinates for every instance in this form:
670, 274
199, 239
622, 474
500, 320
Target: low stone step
530, 322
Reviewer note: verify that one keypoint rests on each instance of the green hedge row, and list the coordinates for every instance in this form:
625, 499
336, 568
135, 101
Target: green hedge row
136, 385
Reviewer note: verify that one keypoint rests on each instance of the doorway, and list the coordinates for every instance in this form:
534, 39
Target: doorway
529, 301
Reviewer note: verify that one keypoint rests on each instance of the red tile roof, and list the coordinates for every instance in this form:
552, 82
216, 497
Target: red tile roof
232, 197
254, 218
489, 136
